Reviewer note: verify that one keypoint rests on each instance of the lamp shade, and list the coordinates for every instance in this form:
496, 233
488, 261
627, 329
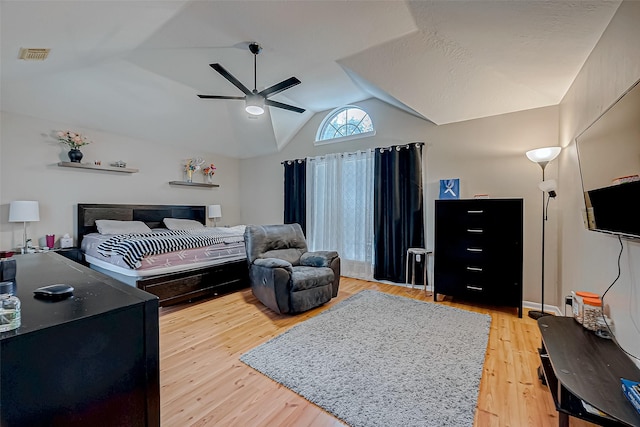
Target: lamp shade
215, 211
543, 155
254, 105
548, 185
24, 211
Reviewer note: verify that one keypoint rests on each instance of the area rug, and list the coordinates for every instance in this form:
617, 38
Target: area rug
376, 359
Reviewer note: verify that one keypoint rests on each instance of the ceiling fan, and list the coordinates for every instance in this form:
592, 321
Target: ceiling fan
255, 101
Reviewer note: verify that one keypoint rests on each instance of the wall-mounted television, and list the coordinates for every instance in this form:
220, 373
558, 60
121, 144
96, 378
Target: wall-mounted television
609, 159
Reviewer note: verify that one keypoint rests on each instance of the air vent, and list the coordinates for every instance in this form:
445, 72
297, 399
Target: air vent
31, 54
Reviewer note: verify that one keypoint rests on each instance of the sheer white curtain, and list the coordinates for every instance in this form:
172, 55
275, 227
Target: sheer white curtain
340, 209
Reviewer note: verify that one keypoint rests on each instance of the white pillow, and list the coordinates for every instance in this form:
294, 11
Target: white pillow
182, 224
110, 226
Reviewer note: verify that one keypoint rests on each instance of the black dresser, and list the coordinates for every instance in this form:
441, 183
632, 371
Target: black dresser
89, 360
478, 250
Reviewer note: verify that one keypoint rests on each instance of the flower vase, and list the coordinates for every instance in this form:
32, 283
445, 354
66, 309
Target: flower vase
75, 155
209, 178
189, 175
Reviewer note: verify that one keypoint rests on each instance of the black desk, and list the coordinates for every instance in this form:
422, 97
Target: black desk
91, 359
579, 366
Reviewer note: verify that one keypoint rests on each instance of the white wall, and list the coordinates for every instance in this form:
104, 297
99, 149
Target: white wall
589, 259
486, 154
29, 171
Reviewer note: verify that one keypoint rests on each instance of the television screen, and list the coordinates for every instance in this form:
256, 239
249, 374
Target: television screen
609, 159
611, 208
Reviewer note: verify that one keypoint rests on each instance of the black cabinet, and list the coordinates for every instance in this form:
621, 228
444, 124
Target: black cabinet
92, 359
478, 250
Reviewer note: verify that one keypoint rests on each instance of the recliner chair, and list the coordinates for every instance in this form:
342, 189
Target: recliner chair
284, 275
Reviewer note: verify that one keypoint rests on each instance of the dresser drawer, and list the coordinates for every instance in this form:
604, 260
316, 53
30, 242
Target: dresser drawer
177, 287
476, 248
478, 287
472, 217
465, 286
491, 267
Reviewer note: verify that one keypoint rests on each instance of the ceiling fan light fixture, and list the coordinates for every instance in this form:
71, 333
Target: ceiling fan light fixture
254, 100
254, 105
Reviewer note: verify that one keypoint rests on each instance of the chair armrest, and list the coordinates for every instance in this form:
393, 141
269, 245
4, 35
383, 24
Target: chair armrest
273, 263
318, 258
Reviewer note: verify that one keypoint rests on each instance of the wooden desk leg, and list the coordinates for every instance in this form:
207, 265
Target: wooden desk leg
563, 419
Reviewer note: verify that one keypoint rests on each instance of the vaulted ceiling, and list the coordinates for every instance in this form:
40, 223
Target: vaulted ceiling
135, 67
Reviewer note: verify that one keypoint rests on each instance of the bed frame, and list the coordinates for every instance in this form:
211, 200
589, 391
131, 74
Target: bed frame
175, 287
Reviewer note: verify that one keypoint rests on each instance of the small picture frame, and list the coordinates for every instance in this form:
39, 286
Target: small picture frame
450, 188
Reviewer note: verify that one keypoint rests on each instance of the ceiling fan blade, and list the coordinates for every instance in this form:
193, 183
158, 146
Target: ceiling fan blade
220, 97
279, 87
227, 75
283, 106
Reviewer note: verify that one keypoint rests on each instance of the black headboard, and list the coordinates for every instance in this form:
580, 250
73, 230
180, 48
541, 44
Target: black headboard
152, 215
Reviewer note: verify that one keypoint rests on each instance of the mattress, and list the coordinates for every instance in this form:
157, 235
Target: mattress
230, 247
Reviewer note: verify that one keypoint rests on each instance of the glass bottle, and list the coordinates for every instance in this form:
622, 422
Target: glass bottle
9, 307
604, 327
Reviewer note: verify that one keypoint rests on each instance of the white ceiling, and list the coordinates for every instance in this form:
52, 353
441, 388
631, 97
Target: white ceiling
135, 67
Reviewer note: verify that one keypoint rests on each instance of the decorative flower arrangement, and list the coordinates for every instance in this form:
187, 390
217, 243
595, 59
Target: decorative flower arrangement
209, 170
192, 165
72, 139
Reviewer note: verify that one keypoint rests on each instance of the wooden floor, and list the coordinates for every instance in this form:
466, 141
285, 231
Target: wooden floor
204, 383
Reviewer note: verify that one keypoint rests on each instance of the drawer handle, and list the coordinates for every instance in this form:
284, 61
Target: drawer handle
474, 269
475, 212
474, 249
474, 230
474, 288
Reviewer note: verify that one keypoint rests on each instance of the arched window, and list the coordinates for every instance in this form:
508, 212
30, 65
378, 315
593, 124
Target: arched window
345, 123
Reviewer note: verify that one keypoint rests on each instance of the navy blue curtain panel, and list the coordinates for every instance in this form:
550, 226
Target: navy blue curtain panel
295, 192
398, 209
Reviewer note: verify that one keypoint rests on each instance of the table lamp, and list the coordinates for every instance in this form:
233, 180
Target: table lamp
215, 211
24, 211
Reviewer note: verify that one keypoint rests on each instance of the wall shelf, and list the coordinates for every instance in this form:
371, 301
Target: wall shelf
193, 184
96, 167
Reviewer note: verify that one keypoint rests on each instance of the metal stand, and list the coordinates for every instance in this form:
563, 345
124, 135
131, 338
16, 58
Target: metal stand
414, 255
534, 314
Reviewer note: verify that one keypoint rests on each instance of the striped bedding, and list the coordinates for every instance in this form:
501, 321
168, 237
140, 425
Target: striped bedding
133, 249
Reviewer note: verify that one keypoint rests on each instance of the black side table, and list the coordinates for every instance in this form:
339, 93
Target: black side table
581, 367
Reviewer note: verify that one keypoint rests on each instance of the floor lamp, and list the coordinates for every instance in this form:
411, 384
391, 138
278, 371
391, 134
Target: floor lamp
543, 156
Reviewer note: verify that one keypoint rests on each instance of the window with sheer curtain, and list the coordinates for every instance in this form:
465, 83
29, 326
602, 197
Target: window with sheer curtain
339, 209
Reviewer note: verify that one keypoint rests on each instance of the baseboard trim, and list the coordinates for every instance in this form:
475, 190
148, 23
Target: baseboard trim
525, 304
547, 308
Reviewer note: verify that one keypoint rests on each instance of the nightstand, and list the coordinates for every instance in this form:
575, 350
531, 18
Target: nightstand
74, 254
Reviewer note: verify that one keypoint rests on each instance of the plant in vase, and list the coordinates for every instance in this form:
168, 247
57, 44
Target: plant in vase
208, 172
192, 165
74, 141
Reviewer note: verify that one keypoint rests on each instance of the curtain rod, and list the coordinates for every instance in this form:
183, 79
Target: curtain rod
399, 146
291, 161
351, 153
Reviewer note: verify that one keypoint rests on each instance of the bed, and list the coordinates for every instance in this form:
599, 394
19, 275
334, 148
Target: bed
175, 276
